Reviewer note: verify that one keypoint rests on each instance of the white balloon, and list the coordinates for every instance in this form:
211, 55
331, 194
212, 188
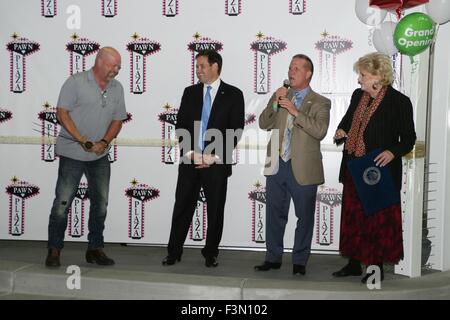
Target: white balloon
383, 38
439, 10
371, 16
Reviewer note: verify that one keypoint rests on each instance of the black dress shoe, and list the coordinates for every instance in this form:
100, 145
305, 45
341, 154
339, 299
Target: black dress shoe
267, 266
169, 260
348, 271
298, 269
53, 258
211, 262
99, 257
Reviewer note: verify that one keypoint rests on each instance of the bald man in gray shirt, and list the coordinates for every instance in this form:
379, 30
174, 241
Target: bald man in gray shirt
90, 109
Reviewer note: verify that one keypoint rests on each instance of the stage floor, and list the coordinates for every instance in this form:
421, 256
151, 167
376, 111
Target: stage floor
138, 274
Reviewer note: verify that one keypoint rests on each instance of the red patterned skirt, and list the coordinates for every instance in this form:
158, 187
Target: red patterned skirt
372, 240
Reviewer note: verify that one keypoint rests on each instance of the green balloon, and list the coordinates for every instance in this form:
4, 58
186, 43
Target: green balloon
414, 33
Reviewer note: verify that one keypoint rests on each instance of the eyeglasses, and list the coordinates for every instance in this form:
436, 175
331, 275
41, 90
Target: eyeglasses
104, 96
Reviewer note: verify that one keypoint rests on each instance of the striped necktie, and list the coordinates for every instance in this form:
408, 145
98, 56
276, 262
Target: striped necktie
286, 146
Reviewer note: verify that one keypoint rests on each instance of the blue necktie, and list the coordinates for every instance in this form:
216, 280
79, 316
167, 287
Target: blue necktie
206, 111
286, 146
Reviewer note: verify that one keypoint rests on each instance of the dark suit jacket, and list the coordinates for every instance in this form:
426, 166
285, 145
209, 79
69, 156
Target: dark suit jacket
391, 128
227, 112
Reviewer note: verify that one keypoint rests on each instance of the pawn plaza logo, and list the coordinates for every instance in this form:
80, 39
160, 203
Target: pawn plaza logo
169, 148
49, 132
199, 44
139, 49
5, 115
19, 49
48, 8
137, 195
112, 152
233, 7
197, 230
327, 200
264, 48
258, 199
79, 49
76, 214
170, 8
297, 7
329, 48
18, 192
109, 8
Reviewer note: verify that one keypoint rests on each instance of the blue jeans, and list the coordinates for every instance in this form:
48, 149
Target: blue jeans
70, 171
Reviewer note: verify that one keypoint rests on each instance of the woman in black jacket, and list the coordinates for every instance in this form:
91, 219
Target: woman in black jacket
379, 117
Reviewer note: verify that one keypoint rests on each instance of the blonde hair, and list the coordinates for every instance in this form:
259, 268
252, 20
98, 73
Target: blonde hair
377, 64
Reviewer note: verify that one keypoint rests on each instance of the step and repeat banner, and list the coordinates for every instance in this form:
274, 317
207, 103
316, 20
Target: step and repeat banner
44, 42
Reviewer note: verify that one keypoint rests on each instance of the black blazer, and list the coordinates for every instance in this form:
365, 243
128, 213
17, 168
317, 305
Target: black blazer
391, 128
227, 112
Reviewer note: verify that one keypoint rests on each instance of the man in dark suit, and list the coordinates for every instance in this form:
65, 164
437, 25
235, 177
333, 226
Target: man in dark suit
209, 124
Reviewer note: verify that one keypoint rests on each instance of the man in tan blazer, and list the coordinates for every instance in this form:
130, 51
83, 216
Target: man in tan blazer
298, 118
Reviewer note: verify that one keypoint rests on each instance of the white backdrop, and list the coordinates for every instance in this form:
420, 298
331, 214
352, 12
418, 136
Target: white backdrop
324, 24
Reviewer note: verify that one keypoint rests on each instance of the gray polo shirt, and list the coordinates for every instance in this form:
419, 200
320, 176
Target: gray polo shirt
91, 110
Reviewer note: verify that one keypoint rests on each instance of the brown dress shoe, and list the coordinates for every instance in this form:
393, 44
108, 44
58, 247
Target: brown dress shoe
99, 257
53, 258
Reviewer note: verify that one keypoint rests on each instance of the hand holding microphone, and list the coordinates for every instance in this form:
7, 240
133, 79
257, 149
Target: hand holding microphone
284, 102
281, 92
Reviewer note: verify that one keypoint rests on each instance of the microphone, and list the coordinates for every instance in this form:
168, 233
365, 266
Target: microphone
287, 85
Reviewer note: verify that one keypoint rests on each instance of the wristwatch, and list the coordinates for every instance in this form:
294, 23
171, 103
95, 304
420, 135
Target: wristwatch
86, 143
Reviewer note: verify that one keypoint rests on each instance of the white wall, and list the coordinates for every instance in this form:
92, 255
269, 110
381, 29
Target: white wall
440, 153
168, 72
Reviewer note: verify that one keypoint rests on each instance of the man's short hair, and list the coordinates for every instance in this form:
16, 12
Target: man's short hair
213, 57
309, 64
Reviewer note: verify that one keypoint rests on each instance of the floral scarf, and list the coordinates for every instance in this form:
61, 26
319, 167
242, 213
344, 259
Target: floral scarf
364, 111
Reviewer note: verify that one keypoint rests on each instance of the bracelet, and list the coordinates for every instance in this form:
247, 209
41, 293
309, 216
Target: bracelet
105, 142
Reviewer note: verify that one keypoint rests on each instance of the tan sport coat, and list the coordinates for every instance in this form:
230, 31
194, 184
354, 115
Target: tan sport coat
310, 127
